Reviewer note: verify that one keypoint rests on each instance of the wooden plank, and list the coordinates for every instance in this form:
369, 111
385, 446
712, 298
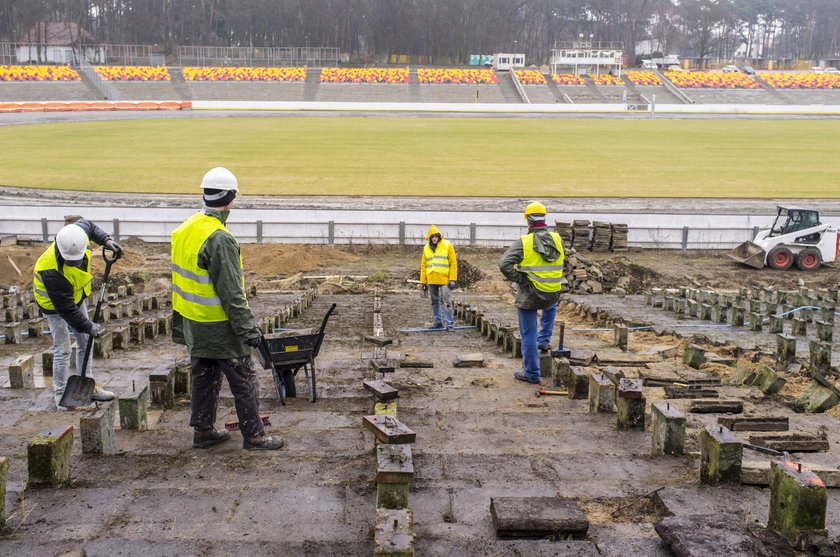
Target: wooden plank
538, 517
388, 429
755, 423
394, 464
629, 388
791, 442
757, 472
416, 364
680, 391
716, 406
383, 366
381, 389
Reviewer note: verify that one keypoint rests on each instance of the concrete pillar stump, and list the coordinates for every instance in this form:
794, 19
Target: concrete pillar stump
48, 457
96, 428
22, 372
706, 312
620, 336
162, 387
134, 409
601, 394
825, 330
820, 356
768, 381
4, 471
694, 356
776, 324
798, 327
785, 349
36, 328
737, 316
102, 346
798, 503
14, 333
720, 456
562, 369
577, 383
630, 413
668, 427
393, 533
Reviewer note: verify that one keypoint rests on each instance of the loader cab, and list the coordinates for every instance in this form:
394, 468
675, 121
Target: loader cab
792, 219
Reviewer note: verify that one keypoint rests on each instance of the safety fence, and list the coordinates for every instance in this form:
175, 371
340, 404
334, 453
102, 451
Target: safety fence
257, 56
338, 226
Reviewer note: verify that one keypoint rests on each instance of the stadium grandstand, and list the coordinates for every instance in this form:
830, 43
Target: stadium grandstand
783, 80
365, 75
38, 73
712, 80
243, 74
133, 73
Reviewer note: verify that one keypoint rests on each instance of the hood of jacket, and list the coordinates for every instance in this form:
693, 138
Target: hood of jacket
544, 244
217, 213
432, 231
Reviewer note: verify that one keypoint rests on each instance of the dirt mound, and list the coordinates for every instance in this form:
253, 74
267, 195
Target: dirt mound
468, 274
285, 259
24, 257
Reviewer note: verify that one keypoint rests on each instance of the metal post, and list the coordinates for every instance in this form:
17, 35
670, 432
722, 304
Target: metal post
653, 106
472, 233
117, 230
755, 232
402, 233
259, 232
331, 231
44, 230
685, 238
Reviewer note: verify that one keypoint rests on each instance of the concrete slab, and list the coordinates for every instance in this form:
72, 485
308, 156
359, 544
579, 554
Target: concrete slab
537, 517
703, 535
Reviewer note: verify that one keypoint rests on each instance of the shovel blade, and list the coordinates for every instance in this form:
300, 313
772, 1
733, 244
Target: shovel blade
78, 392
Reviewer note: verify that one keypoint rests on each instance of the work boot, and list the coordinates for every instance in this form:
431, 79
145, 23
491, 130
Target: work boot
263, 443
205, 440
437, 326
544, 348
522, 377
101, 394
449, 328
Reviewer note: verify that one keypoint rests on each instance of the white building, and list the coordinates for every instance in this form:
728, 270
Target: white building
60, 42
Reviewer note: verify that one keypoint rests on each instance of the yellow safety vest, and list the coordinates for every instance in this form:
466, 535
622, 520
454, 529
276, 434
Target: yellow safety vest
79, 278
437, 262
193, 293
544, 276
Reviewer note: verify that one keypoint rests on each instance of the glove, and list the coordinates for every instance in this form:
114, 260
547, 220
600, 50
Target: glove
425, 288
451, 284
97, 331
253, 342
114, 247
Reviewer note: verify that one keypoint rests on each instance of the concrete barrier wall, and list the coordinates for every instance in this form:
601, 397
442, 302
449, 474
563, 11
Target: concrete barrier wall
505, 107
487, 228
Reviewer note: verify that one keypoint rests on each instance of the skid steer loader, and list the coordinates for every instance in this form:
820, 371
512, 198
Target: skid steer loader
796, 237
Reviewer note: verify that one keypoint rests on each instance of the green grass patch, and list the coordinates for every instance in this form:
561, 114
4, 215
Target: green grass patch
518, 157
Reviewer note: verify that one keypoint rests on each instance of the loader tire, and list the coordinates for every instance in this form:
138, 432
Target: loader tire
808, 259
780, 259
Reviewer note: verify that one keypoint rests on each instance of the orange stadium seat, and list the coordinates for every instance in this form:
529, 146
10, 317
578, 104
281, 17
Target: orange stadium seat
244, 74
530, 77
55, 107
32, 107
78, 106
133, 73
567, 79
101, 105
38, 73
147, 105
643, 78
125, 106
712, 80
9, 107
169, 105
606, 79
470, 77
365, 75
791, 80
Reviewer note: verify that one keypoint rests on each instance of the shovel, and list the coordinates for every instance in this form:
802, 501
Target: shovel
79, 389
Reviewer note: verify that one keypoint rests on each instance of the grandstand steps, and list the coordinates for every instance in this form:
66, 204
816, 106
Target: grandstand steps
38, 91
663, 95
773, 91
92, 88
180, 84
634, 96
590, 85
414, 87
312, 84
508, 89
559, 96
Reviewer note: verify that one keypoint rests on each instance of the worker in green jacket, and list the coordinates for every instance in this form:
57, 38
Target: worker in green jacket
212, 318
534, 263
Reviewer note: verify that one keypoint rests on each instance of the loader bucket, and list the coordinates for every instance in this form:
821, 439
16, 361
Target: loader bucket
748, 254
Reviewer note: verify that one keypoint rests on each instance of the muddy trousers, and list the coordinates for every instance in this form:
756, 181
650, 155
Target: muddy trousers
206, 384
535, 332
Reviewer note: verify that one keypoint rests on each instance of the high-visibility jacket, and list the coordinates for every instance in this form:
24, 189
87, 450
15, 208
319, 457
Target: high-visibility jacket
193, 293
79, 278
544, 275
439, 265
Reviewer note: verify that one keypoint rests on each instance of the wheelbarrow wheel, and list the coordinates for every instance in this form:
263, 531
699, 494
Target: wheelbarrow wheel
310, 380
280, 388
289, 382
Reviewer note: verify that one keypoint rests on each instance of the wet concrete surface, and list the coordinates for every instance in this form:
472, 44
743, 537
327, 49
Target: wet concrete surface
480, 434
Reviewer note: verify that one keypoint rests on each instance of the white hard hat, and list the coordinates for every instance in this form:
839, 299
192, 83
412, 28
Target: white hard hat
220, 178
72, 241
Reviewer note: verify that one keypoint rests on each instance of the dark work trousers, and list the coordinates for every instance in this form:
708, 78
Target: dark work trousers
206, 384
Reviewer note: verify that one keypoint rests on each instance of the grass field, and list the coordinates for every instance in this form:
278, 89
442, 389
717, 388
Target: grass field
433, 156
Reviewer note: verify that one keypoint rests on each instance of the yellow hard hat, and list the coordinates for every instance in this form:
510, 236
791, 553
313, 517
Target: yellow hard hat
534, 208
